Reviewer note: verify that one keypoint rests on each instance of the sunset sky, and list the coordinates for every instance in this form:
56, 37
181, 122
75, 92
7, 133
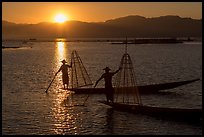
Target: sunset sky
35, 12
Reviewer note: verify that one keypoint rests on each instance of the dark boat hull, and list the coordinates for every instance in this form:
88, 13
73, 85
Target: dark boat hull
146, 89
160, 112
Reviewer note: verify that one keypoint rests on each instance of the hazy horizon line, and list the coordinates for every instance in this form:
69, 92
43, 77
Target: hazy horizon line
103, 21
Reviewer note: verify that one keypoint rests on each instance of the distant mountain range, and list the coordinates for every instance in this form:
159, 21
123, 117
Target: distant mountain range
130, 26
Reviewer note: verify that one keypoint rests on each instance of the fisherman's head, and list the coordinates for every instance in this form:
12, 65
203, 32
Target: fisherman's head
107, 69
63, 61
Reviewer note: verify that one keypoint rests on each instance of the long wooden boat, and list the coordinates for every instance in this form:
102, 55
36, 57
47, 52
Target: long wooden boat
180, 114
144, 89
129, 102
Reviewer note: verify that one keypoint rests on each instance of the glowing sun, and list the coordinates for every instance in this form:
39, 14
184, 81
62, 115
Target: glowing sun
60, 18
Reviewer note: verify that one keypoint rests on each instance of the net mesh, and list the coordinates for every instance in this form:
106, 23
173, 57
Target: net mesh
79, 75
126, 90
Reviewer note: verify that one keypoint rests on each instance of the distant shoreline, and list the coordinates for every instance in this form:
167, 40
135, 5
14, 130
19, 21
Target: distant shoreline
111, 40
151, 41
3, 47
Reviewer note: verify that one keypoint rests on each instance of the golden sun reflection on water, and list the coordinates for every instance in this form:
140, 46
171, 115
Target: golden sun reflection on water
61, 51
64, 115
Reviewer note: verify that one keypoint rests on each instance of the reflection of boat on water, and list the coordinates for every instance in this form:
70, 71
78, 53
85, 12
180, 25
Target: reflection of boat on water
144, 89
127, 97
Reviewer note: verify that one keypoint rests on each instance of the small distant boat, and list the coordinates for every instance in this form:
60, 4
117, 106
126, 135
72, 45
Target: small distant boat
188, 39
24, 42
3, 47
32, 39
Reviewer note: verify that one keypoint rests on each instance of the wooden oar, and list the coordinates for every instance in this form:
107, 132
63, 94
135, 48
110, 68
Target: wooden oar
50, 83
87, 98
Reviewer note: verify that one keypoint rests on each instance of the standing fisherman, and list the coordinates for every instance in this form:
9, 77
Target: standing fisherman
108, 83
64, 69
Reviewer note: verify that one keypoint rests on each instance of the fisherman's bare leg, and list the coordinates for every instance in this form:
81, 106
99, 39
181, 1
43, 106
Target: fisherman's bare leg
67, 86
67, 82
107, 98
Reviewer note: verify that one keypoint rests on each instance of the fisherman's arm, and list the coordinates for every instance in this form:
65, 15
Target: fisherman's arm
58, 70
70, 65
117, 70
98, 80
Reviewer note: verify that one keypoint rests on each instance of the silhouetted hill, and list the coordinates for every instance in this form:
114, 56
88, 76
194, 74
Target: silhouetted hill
130, 26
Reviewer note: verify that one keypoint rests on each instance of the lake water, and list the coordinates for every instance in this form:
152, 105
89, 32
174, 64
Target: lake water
27, 72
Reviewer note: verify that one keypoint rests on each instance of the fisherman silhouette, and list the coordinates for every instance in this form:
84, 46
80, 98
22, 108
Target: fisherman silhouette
64, 69
108, 83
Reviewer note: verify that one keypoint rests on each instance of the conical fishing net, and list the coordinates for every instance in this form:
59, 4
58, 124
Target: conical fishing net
126, 90
79, 75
